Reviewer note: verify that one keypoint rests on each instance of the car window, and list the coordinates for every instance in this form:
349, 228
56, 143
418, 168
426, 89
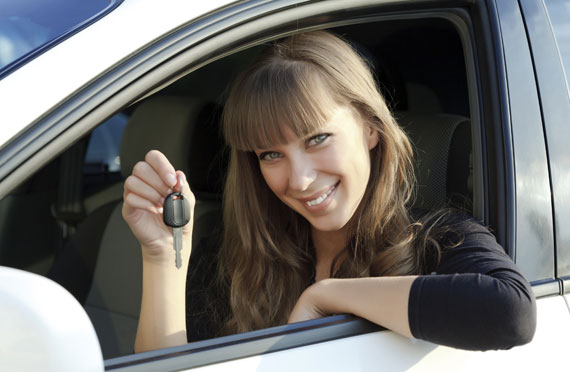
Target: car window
28, 27
102, 164
559, 14
421, 68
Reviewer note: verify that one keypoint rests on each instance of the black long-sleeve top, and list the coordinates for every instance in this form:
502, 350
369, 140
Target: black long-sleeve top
475, 299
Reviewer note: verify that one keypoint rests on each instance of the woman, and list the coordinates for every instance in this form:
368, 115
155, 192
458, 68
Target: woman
317, 219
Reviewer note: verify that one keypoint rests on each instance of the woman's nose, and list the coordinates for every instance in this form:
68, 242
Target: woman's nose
302, 173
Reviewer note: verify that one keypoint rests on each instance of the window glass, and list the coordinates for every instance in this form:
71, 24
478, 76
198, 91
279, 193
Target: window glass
103, 148
28, 26
102, 165
559, 13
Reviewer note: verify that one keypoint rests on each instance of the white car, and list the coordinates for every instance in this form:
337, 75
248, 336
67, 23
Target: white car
482, 86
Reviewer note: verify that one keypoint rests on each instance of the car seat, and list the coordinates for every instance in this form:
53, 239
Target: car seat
443, 159
101, 264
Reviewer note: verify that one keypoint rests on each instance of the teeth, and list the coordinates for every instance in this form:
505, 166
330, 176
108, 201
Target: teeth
321, 198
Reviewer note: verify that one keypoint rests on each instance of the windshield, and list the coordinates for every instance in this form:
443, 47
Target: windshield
29, 27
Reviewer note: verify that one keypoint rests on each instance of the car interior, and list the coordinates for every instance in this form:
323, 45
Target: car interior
74, 232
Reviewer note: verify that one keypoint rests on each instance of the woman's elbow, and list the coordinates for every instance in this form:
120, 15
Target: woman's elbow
520, 324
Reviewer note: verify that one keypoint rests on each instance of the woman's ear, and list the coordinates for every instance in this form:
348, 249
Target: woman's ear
372, 137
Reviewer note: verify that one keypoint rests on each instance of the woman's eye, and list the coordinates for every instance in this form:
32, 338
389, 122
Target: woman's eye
318, 139
269, 155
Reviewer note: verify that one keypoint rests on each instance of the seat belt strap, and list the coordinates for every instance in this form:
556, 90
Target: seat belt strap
68, 209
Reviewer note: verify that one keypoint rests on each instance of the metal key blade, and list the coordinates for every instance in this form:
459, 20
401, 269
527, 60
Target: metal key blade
177, 232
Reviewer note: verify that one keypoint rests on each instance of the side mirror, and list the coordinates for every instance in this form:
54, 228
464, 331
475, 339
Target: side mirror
43, 327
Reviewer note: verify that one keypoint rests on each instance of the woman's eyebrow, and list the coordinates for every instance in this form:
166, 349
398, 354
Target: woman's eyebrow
263, 149
320, 130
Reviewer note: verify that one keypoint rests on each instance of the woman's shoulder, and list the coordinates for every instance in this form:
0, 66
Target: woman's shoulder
445, 217
449, 224
469, 245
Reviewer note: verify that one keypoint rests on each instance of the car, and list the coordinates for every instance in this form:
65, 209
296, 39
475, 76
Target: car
481, 86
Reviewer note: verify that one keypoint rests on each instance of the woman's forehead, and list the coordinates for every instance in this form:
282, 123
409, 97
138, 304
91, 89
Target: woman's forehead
340, 118
267, 106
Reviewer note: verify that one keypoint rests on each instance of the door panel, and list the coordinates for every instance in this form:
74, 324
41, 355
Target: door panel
547, 54
534, 227
388, 351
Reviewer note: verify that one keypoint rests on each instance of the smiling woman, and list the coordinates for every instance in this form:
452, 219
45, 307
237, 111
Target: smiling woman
318, 219
323, 176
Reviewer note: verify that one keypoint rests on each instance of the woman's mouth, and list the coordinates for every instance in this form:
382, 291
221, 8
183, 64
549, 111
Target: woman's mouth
323, 197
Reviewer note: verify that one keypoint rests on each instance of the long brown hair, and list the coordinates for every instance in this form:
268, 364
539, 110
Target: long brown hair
266, 257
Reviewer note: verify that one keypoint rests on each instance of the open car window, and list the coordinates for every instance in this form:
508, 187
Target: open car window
419, 62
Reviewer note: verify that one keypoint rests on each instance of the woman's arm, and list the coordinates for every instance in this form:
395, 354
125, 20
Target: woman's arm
162, 321
477, 299
382, 300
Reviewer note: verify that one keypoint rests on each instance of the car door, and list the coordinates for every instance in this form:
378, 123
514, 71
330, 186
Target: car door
547, 24
511, 176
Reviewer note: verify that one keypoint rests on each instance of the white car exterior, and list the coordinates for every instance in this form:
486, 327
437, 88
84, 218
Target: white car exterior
44, 327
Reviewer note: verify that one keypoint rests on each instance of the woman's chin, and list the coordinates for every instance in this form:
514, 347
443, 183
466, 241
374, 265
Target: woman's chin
328, 224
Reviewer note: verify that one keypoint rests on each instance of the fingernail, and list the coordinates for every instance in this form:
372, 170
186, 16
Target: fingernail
162, 200
171, 179
160, 210
181, 181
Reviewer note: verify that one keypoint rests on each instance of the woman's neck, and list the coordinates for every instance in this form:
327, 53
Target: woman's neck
328, 244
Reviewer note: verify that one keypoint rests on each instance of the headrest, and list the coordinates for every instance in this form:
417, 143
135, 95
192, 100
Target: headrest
184, 129
442, 149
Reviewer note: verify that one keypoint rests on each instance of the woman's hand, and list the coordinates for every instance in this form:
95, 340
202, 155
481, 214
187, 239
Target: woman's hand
307, 306
144, 193
381, 300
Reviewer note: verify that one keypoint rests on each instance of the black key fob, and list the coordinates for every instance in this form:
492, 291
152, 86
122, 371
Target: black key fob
176, 210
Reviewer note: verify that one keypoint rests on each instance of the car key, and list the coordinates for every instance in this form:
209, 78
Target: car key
176, 214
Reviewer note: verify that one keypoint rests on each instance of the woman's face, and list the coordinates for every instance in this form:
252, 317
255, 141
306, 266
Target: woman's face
324, 176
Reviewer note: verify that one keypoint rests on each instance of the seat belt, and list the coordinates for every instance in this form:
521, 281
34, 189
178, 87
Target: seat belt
68, 210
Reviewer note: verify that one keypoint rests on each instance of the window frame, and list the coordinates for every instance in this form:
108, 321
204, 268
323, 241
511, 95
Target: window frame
299, 334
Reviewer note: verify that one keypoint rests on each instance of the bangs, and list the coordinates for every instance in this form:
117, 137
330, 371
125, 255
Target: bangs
279, 95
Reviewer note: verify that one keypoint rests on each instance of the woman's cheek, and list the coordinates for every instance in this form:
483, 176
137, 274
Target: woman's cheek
274, 179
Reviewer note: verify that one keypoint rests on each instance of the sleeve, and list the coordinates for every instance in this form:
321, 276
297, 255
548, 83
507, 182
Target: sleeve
477, 299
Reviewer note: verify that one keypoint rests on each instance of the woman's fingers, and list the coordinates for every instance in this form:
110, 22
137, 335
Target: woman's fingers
184, 187
148, 175
137, 186
133, 202
144, 194
162, 167
151, 182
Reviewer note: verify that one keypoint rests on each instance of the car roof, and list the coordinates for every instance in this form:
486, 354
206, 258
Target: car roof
39, 85
29, 29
